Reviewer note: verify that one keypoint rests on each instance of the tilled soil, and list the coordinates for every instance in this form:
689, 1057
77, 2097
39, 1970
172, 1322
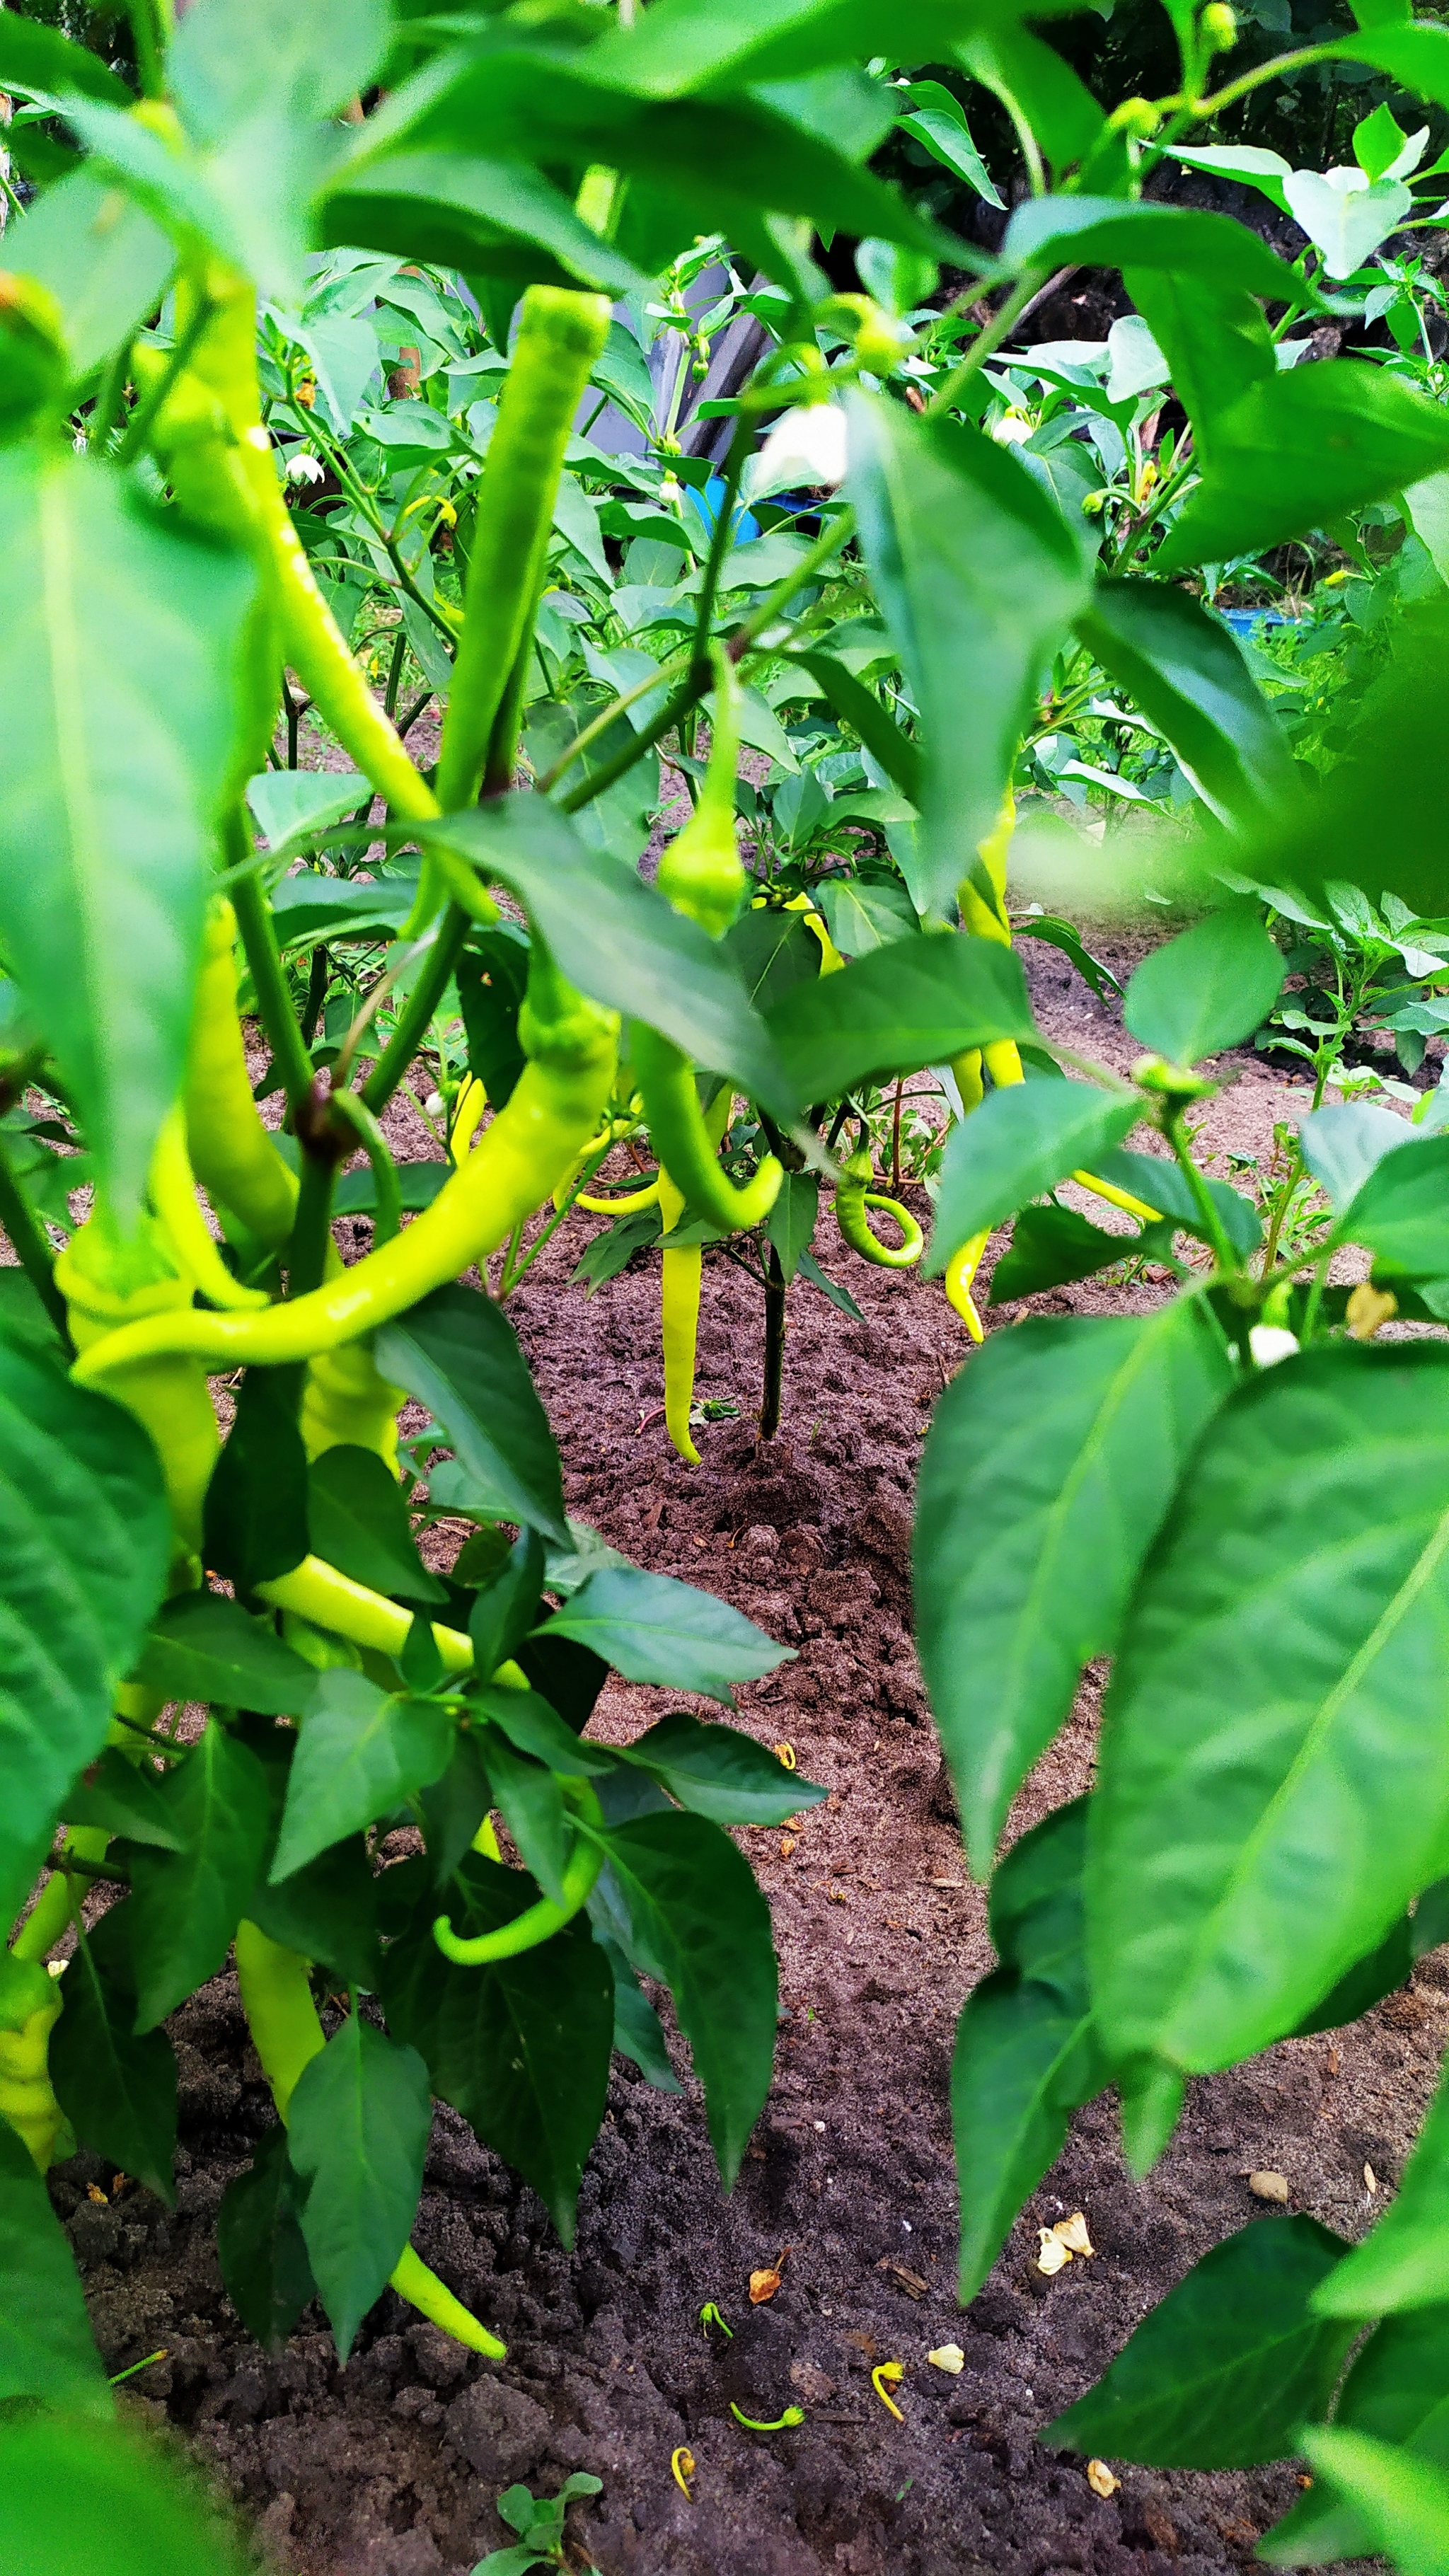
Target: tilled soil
391, 2467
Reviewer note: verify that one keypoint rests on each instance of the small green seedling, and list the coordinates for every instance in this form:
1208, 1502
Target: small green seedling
539, 2521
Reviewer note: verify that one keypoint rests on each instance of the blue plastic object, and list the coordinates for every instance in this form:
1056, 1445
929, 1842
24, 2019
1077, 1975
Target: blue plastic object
709, 503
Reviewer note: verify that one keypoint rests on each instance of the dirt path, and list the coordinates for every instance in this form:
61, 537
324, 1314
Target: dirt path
391, 2467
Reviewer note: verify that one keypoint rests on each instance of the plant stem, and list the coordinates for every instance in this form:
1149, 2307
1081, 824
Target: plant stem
316, 994
417, 1011
259, 939
987, 341
775, 1285
1315, 1298
30, 1247
311, 1227
1213, 1227
387, 1217
739, 449
599, 724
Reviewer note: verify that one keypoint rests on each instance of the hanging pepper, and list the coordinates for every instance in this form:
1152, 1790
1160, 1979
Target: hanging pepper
853, 1195
316, 1591
232, 1154
555, 1104
116, 1290
30, 2007
680, 1282
277, 2000
172, 1191
537, 1923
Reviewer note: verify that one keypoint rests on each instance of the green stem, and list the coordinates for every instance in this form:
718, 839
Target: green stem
387, 1219
1203, 110
416, 1015
30, 1247
259, 939
987, 341
677, 664
311, 1227
1315, 1299
1213, 1227
1280, 1212
775, 1287
739, 449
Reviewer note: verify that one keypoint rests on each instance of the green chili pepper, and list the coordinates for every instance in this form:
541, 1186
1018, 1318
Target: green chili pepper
785, 2423
115, 1289
277, 1999
30, 2007
315, 1590
853, 1195
554, 1106
700, 871
679, 1296
537, 1923
232, 1154
172, 1190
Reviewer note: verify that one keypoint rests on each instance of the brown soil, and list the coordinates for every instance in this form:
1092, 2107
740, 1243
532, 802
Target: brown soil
391, 2468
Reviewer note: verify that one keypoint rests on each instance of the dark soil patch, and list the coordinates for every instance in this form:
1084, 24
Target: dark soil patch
391, 2467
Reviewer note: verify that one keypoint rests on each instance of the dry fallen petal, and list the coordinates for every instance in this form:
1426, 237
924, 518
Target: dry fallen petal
1370, 2180
1054, 2255
1268, 2186
763, 2285
95, 2193
787, 1845
1072, 2232
1100, 2478
947, 2356
1367, 1308
785, 1754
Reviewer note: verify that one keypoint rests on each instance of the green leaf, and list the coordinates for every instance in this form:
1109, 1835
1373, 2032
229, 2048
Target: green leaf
232, 60
863, 914
938, 120
653, 1629
492, 976
117, 2091
1216, 339
1113, 232
1397, 2391
1401, 2501
125, 1797
459, 1356
327, 1911
1400, 1212
1297, 451
533, 1725
916, 1002
810, 1270
1024, 2056
638, 2034
362, 1752
699, 1923
772, 951
1342, 1146
205, 1647
1227, 2369
1161, 1183
1062, 935
1050, 1245
530, 1801
310, 906
114, 761
612, 1250
978, 576
102, 2498
1404, 2263
861, 709
85, 1549
1345, 224
1186, 671
358, 2125
454, 1806
254, 1518
260, 2245
519, 2046
1209, 988
1032, 81
357, 1520
482, 216
35, 57
1020, 1142
505, 1609
104, 261
46, 2350
618, 939
719, 1772
1262, 1820
186, 1904
790, 1225
1058, 1432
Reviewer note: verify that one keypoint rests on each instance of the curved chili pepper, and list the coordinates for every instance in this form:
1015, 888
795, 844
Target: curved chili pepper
554, 1105
681, 1140
27, 2097
701, 872
316, 1591
680, 1282
629, 1205
232, 1154
172, 1191
537, 1923
118, 1292
853, 1196
956, 1279
277, 2000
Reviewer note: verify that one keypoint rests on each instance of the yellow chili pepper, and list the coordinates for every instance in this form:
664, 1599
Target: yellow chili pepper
681, 2469
853, 1196
315, 1590
172, 1190
956, 1279
888, 2374
31, 2009
232, 1154
117, 1292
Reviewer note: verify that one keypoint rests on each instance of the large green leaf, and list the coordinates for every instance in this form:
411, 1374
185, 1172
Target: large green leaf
677, 47
716, 1771
459, 1356
109, 2500
698, 1922
918, 1001
1264, 1815
358, 2125
117, 2091
1112, 232
653, 1629
466, 212
899, 757
46, 2350
104, 261
1297, 450
85, 1545
618, 939
1226, 2371
1216, 338
1207, 989
186, 1904
520, 2046
260, 2246
1186, 671
254, 1517
1024, 2045
1397, 2391
362, 1752
357, 1520
1050, 1465
1404, 2262
205, 1647
231, 62
39, 58
1401, 1211
1021, 1141
978, 576
1402, 2502
118, 664
327, 1911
